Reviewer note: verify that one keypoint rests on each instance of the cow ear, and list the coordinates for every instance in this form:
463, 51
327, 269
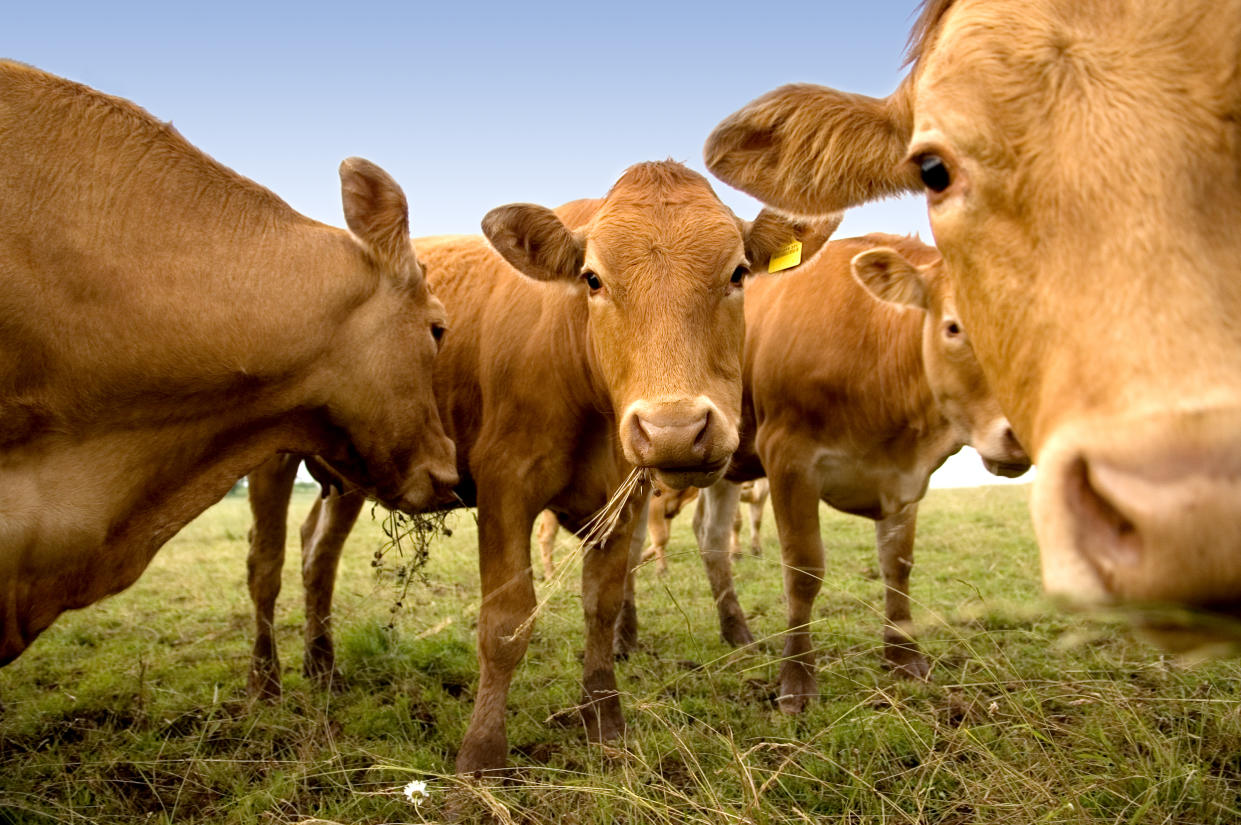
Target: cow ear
809, 150
376, 212
772, 234
888, 276
535, 242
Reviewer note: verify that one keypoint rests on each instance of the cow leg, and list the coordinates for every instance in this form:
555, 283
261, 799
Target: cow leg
270, 486
796, 503
657, 526
758, 500
604, 567
323, 537
713, 518
504, 619
626, 636
894, 536
548, 525
734, 539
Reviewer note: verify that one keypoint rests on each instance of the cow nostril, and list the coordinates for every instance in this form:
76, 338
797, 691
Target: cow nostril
638, 436
1107, 537
701, 438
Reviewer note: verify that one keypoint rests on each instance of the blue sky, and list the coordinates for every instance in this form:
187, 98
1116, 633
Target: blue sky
468, 105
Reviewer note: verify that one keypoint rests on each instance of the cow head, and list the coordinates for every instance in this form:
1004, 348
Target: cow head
1083, 178
952, 370
660, 265
380, 385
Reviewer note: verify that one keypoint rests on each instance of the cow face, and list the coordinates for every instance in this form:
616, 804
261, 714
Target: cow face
380, 392
660, 266
1083, 179
952, 370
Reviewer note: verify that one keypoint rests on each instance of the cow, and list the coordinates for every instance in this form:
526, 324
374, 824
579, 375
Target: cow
1082, 179
166, 325
664, 507
592, 351
659, 522
859, 382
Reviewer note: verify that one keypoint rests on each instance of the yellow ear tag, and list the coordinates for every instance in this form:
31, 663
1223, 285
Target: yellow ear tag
786, 257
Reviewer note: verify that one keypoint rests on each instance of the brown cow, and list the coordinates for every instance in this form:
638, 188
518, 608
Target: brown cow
664, 507
659, 520
1084, 184
591, 351
167, 326
853, 401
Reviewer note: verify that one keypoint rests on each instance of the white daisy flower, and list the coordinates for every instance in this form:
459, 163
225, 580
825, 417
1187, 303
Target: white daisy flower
416, 791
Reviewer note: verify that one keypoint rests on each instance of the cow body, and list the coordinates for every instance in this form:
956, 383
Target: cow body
1102, 299
851, 401
165, 326
617, 345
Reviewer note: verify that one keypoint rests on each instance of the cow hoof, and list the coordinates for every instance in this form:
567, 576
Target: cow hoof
903, 656
797, 687
602, 717
736, 631
485, 755
907, 663
332, 679
320, 665
263, 684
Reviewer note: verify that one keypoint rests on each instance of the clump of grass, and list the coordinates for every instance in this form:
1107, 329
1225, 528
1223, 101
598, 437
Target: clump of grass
410, 536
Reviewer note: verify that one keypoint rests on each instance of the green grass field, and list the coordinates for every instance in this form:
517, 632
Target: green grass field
135, 710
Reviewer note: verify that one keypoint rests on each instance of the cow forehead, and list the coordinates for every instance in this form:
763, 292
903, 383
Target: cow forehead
693, 236
1047, 79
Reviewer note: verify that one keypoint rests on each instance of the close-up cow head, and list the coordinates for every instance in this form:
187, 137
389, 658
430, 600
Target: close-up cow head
955, 377
661, 267
395, 444
1081, 172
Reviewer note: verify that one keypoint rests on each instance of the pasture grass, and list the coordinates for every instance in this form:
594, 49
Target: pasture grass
135, 710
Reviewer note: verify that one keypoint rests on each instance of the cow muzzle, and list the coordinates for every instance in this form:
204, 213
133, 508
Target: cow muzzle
1147, 514
1002, 454
687, 442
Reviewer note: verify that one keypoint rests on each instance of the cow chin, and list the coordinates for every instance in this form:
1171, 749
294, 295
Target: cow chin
681, 479
425, 490
1005, 469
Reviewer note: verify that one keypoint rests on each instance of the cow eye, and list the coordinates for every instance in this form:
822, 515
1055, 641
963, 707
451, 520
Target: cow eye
437, 331
952, 329
739, 275
934, 173
592, 281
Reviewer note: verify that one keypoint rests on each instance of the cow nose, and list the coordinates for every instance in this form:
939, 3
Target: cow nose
676, 434
1142, 516
444, 480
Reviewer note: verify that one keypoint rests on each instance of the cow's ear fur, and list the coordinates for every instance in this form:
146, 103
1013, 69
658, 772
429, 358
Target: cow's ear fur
888, 276
770, 232
535, 242
377, 213
810, 150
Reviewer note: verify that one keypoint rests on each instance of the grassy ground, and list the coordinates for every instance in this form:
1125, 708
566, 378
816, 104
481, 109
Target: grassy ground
135, 710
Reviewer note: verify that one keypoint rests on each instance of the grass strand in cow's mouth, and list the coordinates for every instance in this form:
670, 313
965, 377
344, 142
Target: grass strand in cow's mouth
411, 537
596, 531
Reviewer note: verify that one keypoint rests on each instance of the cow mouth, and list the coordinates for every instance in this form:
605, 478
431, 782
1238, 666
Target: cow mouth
1207, 630
680, 478
1006, 469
